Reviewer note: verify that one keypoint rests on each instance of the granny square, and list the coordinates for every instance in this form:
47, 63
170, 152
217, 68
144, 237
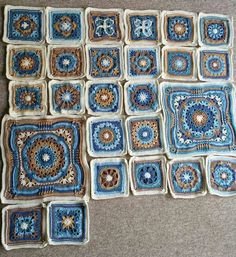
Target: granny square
199, 118
148, 175
23, 226
215, 64
66, 97
106, 136
109, 178
104, 62
179, 63
141, 97
215, 30
104, 25
142, 27
68, 223
142, 62
23, 25
179, 28
44, 158
103, 98
65, 62
26, 62
27, 98
145, 135
186, 177
221, 175
65, 25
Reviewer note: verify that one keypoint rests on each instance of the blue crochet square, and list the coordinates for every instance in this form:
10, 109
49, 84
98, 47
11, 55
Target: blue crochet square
199, 118
64, 25
68, 223
104, 98
104, 62
25, 25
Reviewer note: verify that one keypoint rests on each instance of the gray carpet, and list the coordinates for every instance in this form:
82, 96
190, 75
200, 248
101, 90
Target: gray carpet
149, 225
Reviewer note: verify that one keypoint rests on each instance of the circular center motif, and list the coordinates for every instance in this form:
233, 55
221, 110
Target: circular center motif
223, 176
109, 178
66, 62
105, 62
28, 98
107, 136
148, 174
104, 97
186, 177
179, 63
145, 134
200, 118
179, 28
215, 65
143, 63
143, 97
26, 63
216, 31
24, 226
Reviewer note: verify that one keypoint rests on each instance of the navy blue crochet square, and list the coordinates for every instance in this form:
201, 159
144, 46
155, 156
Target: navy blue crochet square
179, 63
67, 222
65, 25
179, 29
143, 27
25, 25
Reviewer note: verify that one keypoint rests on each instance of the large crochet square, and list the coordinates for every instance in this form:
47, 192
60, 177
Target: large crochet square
43, 158
65, 25
109, 178
68, 223
199, 118
24, 25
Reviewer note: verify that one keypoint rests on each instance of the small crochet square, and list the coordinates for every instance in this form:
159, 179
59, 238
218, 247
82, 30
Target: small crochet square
109, 178
144, 135
221, 175
66, 97
65, 25
106, 137
27, 98
186, 178
141, 97
23, 25
26, 62
103, 98
104, 25
68, 223
142, 62
148, 175
104, 62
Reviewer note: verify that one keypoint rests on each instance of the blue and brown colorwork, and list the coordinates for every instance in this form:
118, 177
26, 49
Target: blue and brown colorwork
66, 97
144, 135
68, 223
199, 118
43, 158
65, 25
109, 178
24, 25
103, 98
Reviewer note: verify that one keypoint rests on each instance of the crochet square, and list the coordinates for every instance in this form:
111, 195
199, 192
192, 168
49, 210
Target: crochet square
221, 175
26, 62
109, 178
199, 118
103, 98
144, 135
179, 63
104, 62
23, 25
65, 62
215, 30
179, 28
66, 97
104, 25
68, 223
186, 178
43, 159
141, 97
106, 137
27, 98
142, 62
148, 175
214, 64
23, 226
65, 25
142, 26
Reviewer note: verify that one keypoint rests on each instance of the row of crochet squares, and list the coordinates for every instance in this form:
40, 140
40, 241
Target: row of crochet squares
35, 226
67, 25
106, 62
